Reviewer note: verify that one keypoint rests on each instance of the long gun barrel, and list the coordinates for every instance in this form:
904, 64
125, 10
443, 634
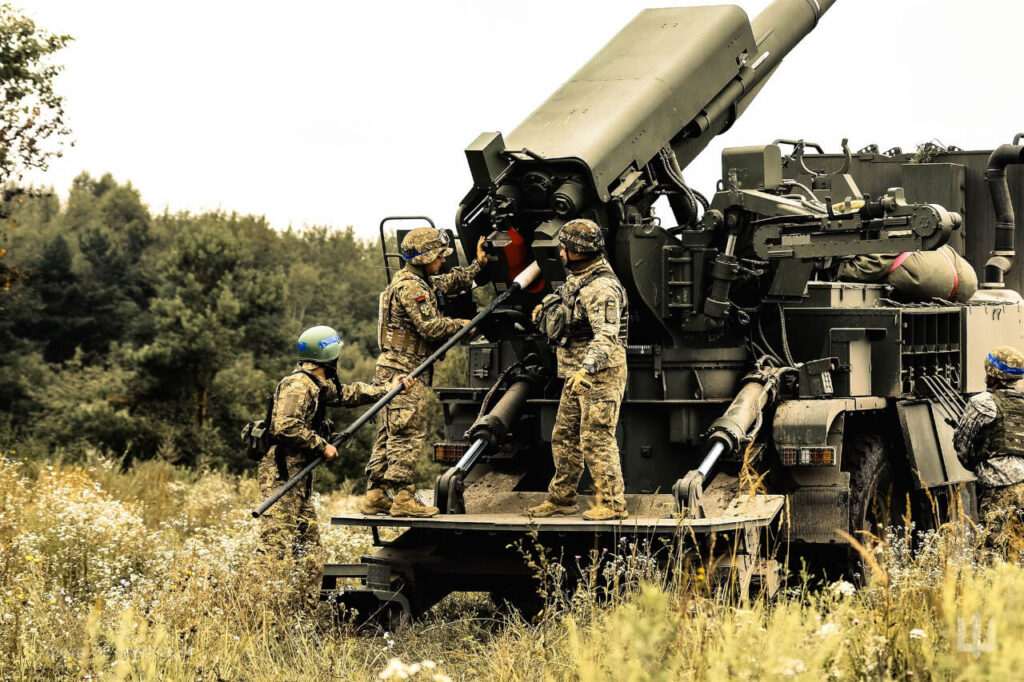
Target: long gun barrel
524, 279
617, 135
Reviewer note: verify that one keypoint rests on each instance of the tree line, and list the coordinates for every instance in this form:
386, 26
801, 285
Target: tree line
145, 335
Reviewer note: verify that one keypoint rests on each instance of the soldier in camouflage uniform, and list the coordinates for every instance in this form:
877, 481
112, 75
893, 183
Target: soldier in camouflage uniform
592, 360
411, 327
990, 441
288, 530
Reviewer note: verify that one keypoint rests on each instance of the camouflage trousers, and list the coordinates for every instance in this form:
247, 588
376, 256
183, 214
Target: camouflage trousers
400, 436
289, 557
584, 432
1002, 512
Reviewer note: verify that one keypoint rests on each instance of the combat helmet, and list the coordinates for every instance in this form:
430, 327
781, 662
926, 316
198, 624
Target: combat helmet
425, 245
1005, 364
581, 236
319, 344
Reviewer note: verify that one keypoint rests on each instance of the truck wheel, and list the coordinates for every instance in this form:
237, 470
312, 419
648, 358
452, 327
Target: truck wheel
878, 497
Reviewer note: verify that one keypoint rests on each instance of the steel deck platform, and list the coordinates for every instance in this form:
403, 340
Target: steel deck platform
648, 514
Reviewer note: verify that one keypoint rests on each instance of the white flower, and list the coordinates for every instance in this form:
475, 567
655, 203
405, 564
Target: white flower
396, 670
917, 633
793, 667
843, 588
827, 630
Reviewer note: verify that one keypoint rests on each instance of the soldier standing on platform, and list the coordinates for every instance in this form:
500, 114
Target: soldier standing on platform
587, 319
412, 326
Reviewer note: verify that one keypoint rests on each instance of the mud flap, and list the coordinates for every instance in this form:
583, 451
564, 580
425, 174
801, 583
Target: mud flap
929, 445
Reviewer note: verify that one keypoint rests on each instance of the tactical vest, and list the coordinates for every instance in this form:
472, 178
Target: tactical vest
556, 317
256, 436
395, 331
1006, 437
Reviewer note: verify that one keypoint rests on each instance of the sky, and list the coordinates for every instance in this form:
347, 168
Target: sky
340, 113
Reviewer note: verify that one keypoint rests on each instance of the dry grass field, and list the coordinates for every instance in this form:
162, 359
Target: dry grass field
139, 575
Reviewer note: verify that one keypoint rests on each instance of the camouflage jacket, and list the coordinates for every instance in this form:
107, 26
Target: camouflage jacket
972, 443
410, 312
296, 403
601, 306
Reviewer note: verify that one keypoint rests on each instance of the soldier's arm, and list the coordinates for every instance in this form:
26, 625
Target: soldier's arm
360, 393
603, 303
419, 303
980, 412
294, 409
459, 279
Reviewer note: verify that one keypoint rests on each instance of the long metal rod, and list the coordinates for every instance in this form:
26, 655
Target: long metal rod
710, 459
474, 451
524, 279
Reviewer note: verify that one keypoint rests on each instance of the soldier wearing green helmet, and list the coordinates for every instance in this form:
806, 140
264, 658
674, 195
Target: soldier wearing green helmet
990, 441
299, 430
586, 320
411, 326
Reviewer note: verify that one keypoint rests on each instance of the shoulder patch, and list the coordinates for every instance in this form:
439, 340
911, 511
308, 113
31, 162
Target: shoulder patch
611, 311
425, 310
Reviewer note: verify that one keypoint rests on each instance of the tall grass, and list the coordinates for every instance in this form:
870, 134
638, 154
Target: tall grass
140, 574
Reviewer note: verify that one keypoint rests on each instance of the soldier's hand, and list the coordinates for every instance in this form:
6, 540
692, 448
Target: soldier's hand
580, 382
330, 452
481, 255
406, 382
472, 332
535, 313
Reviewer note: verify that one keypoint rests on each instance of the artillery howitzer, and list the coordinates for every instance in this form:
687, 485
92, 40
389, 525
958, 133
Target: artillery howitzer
746, 350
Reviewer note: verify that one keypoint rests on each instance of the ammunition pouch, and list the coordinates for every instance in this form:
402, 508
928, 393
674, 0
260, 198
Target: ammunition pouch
554, 318
256, 438
404, 341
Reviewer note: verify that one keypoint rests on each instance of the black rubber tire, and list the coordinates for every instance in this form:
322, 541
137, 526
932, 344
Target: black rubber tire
877, 494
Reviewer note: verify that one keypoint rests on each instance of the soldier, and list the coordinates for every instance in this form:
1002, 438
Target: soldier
590, 331
288, 531
990, 441
411, 327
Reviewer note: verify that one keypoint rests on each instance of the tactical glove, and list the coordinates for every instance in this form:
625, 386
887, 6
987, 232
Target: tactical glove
580, 382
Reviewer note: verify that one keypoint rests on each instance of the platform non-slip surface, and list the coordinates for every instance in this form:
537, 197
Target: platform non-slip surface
648, 513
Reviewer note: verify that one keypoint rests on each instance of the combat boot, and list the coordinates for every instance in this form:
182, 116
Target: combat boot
375, 502
406, 504
550, 508
603, 513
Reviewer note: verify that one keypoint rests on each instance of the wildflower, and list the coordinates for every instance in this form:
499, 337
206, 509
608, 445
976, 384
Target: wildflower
843, 588
793, 667
827, 630
395, 670
918, 633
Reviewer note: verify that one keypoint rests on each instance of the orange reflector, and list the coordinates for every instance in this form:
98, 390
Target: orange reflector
449, 453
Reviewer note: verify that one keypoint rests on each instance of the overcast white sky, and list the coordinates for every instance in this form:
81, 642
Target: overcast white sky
339, 113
